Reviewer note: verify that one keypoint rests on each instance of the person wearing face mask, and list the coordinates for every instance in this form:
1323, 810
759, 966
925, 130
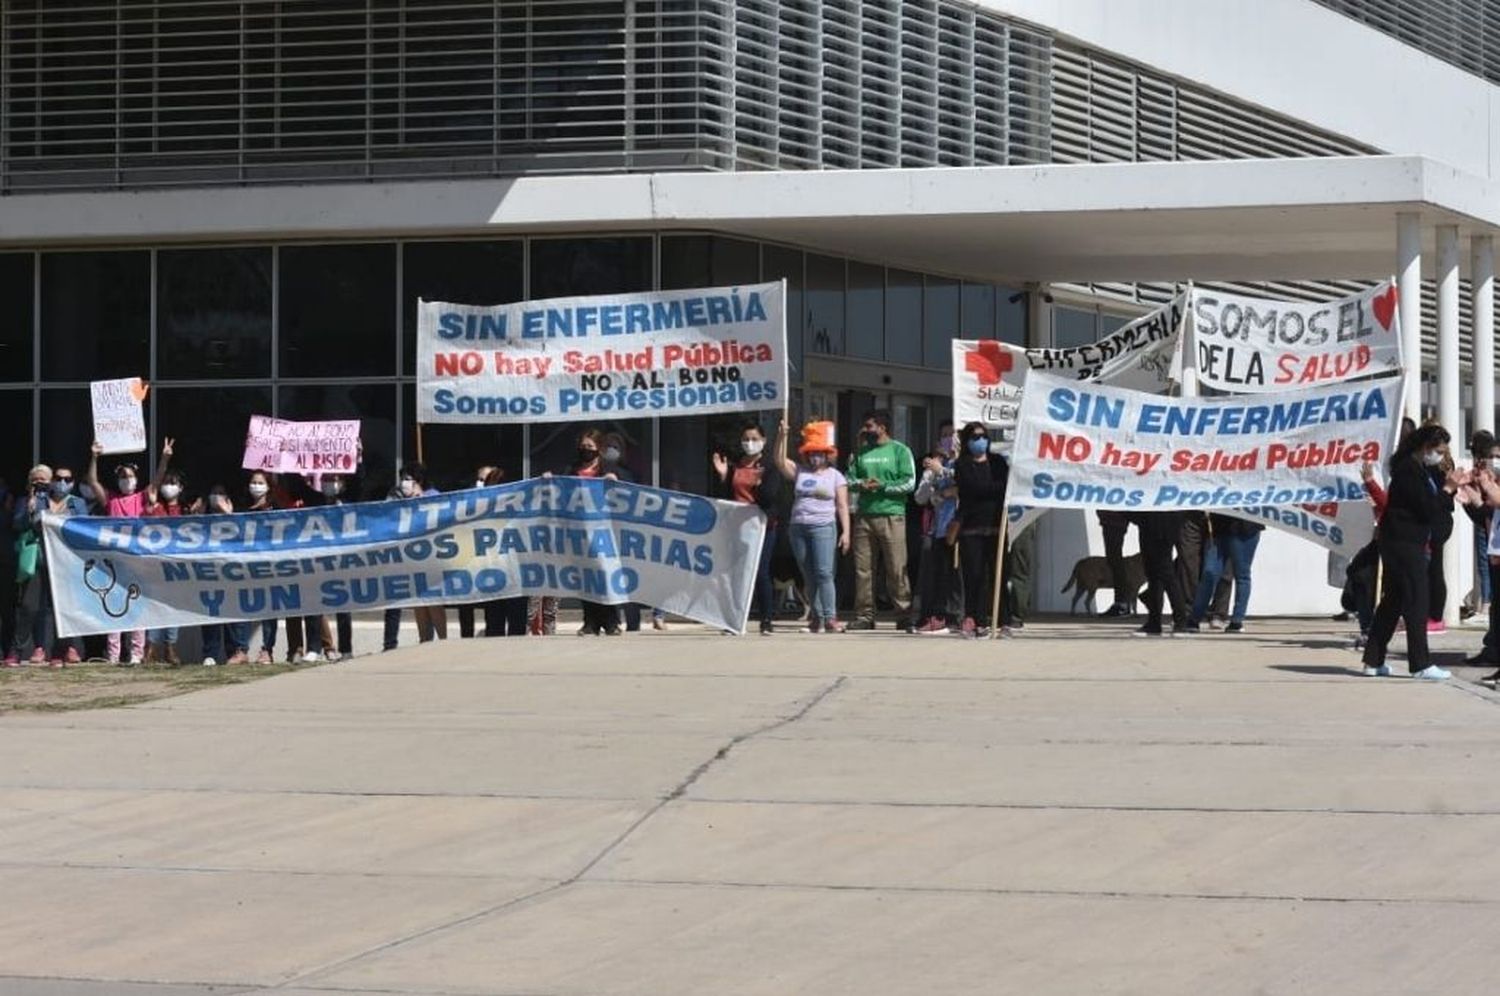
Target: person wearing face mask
260, 498
127, 501
588, 461
337, 636
750, 480
1480, 445
1486, 503
220, 639
467, 609
36, 626
1442, 532
1415, 502
819, 525
883, 474
431, 620
503, 616
937, 492
161, 644
981, 478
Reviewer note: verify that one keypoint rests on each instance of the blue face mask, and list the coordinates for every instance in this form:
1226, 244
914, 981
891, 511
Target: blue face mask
979, 446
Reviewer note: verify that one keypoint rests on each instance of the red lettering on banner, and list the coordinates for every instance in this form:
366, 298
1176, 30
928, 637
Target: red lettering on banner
1059, 446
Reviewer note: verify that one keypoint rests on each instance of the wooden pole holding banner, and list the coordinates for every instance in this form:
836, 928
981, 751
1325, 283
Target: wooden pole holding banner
420, 459
1000, 560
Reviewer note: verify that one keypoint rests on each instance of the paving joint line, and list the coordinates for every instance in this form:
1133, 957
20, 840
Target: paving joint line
566, 883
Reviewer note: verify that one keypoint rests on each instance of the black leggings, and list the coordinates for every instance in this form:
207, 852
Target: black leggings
1158, 539
1437, 584
1405, 596
976, 558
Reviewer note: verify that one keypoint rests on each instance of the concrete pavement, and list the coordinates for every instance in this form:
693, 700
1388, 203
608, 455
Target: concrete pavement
1072, 811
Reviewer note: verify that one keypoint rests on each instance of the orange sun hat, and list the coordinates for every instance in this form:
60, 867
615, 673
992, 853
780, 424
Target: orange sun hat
818, 437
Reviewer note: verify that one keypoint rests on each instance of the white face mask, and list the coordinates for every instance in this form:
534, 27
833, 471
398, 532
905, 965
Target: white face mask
169, 492
611, 454
408, 486
752, 447
478, 483
258, 490
126, 485
817, 461
1432, 458
1495, 465
332, 489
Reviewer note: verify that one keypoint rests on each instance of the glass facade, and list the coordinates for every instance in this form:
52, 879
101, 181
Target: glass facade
314, 331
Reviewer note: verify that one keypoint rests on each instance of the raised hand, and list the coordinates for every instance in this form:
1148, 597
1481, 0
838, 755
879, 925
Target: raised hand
166, 446
721, 465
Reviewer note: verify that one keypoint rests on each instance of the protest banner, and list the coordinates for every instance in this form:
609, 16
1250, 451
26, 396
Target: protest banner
989, 376
606, 541
1096, 446
1345, 527
278, 446
663, 353
119, 421
1247, 345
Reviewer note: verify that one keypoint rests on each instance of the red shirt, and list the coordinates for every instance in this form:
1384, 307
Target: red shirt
161, 509
744, 482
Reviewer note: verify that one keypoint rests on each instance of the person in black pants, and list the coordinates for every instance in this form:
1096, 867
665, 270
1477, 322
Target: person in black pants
1115, 525
1485, 511
1159, 535
981, 478
1416, 501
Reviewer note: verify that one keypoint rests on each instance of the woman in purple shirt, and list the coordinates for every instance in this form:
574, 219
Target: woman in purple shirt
820, 518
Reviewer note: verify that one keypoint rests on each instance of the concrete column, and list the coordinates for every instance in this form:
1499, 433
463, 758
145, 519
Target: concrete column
1409, 290
1482, 279
1458, 553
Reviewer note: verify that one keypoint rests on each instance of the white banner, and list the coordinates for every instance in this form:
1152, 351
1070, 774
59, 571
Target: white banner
119, 422
1095, 446
1250, 345
989, 376
605, 541
662, 353
1345, 527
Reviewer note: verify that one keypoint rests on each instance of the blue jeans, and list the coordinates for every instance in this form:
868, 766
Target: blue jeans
813, 547
1482, 558
168, 635
1239, 550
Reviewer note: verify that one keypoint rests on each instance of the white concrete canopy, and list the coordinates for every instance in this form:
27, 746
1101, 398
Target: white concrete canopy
1241, 220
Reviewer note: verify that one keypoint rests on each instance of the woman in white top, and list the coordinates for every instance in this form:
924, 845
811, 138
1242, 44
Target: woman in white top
820, 518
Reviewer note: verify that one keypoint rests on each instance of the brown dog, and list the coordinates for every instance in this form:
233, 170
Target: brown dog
1092, 573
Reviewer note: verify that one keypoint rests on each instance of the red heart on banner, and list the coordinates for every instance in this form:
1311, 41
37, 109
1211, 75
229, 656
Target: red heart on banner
1384, 306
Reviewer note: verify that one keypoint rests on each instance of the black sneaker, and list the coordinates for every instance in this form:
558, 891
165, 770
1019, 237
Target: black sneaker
1148, 630
1491, 679
1235, 627
1481, 659
766, 626
1115, 611
1190, 627
904, 624
860, 624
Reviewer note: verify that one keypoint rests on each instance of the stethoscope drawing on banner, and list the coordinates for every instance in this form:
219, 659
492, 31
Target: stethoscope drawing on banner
93, 571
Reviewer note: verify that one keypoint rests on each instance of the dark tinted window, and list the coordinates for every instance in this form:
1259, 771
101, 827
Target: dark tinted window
17, 334
903, 317
787, 263
459, 273
207, 426
1011, 302
453, 453
213, 313
866, 312
571, 267
978, 316
337, 306
68, 428
96, 315
824, 332
940, 322
708, 261
16, 457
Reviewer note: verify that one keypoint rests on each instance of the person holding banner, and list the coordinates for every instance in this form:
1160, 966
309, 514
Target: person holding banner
128, 501
35, 625
982, 479
819, 528
589, 462
748, 480
1415, 501
883, 474
161, 644
431, 620
258, 490
1160, 532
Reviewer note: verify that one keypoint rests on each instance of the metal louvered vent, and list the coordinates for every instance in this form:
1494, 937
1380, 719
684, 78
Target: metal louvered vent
1462, 33
130, 93
1107, 110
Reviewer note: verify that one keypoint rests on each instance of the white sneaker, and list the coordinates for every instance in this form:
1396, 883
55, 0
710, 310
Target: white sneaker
1433, 673
333, 656
1378, 672
311, 658
294, 658
135, 660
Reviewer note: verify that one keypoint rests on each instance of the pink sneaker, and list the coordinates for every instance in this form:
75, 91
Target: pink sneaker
11, 660
933, 627
1436, 626
72, 656
39, 656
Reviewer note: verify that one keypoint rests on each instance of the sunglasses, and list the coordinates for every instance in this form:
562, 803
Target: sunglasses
66, 479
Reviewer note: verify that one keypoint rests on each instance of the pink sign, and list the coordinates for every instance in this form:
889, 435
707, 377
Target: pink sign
277, 446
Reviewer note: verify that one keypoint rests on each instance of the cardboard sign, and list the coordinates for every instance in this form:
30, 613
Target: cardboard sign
664, 353
119, 420
277, 446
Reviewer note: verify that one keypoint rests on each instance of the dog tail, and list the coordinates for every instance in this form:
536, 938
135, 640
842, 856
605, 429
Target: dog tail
1072, 578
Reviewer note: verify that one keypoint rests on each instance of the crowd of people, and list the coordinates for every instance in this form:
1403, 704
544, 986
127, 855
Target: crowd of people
937, 579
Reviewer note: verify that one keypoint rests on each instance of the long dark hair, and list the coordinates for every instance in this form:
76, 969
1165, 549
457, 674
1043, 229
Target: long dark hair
1423, 437
969, 429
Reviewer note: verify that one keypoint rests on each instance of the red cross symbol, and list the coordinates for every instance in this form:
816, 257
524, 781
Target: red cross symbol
989, 361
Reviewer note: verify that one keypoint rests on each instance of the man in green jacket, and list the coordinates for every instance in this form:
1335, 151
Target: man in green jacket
882, 474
